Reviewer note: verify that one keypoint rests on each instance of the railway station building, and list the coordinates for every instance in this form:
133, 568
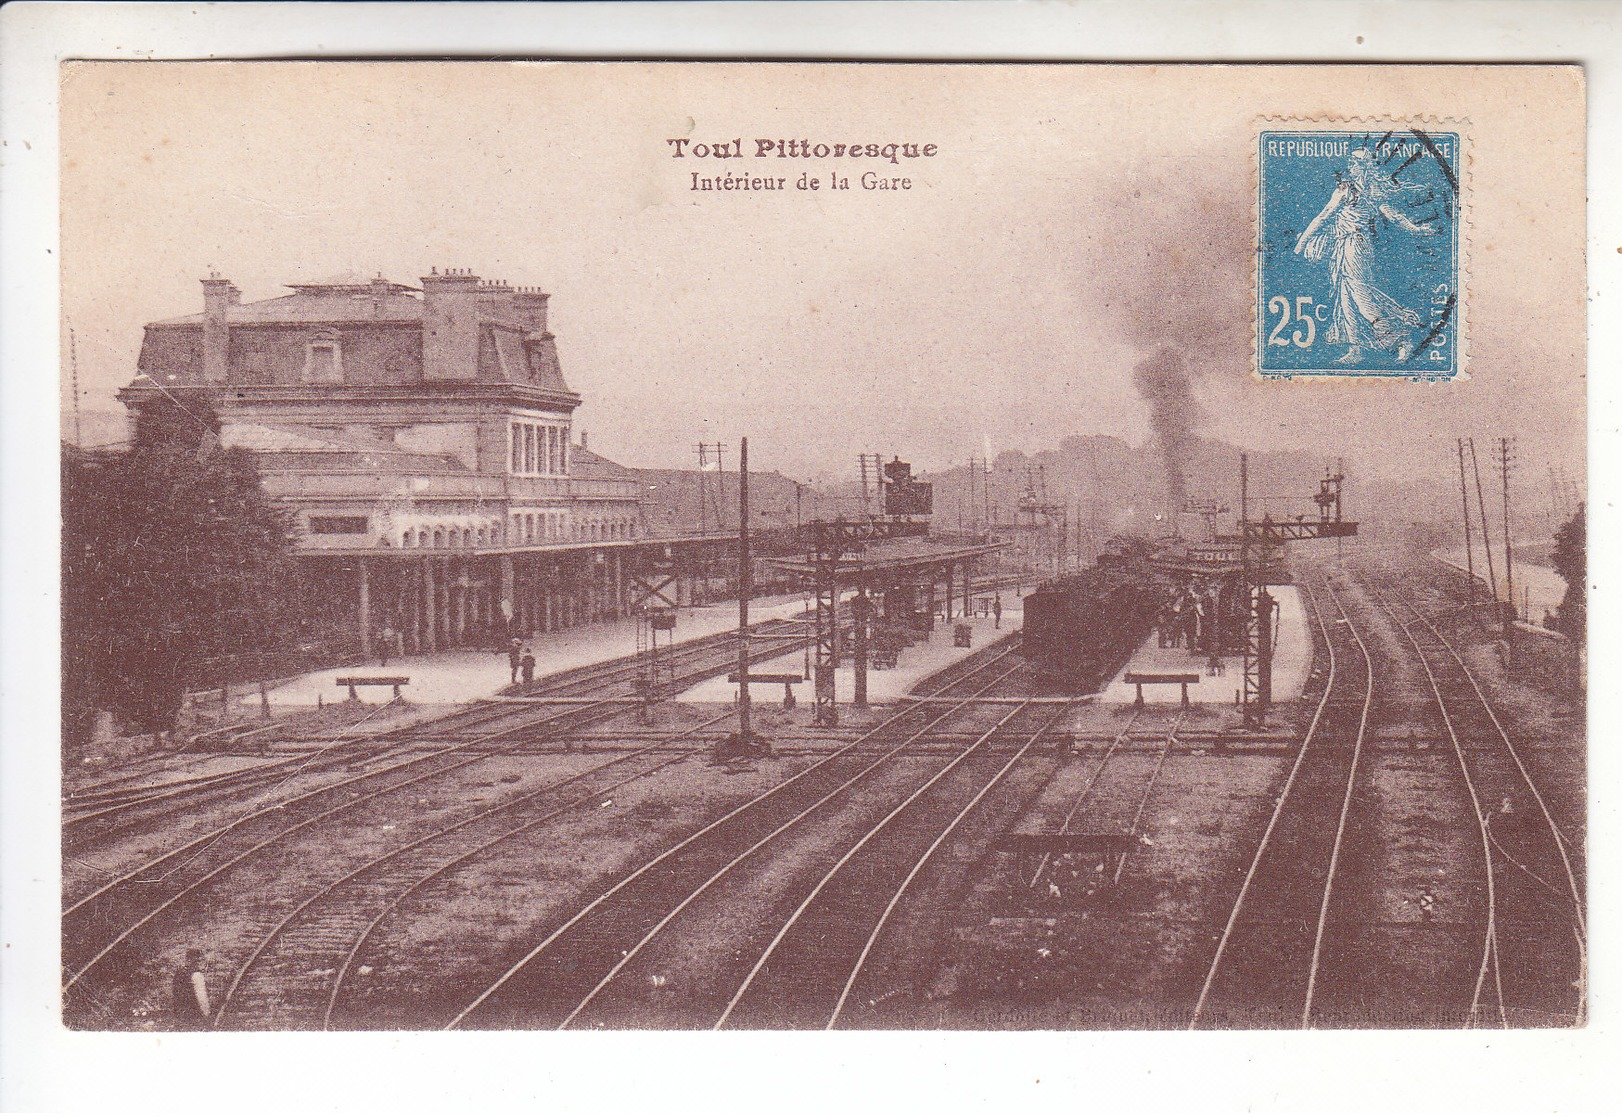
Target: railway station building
421, 438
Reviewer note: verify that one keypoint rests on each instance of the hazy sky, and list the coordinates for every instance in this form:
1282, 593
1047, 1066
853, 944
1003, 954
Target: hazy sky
1073, 220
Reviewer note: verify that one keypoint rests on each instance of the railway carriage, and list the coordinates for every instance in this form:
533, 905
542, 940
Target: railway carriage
1081, 627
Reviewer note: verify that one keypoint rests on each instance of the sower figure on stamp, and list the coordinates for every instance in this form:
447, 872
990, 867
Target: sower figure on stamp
190, 992
1365, 317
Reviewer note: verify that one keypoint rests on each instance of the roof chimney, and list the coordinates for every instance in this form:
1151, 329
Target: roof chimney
380, 293
450, 324
530, 304
218, 294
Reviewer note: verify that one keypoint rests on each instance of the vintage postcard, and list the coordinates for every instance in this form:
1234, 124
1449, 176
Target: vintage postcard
822, 546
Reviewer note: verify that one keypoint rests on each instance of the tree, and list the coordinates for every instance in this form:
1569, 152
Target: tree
1570, 558
172, 555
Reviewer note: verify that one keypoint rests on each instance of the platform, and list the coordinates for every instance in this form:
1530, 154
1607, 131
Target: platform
1292, 660
913, 664
467, 675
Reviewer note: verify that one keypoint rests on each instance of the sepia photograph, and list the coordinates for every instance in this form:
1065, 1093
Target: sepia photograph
822, 546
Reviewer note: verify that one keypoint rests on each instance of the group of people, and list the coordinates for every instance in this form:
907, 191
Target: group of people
1183, 619
521, 660
519, 657
1187, 618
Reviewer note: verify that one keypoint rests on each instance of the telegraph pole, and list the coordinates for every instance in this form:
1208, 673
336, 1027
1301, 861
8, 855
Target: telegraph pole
73, 364
871, 474
1505, 460
1469, 549
705, 498
1486, 535
745, 587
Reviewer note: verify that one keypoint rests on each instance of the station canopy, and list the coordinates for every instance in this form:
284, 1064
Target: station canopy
878, 559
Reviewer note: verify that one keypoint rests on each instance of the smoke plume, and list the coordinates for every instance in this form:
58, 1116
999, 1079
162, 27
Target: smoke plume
1175, 283
1164, 383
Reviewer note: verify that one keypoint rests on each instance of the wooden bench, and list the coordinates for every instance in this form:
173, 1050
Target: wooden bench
353, 681
1142, 677
788, 680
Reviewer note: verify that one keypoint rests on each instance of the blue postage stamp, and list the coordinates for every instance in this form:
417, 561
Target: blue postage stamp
1357, 253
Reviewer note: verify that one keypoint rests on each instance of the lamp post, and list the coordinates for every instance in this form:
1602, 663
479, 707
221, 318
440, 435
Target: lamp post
745, 587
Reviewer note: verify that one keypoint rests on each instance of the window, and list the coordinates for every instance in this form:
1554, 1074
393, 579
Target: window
338, 525
323, 362
539, 449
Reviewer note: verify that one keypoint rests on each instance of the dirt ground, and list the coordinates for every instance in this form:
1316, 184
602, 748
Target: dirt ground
984, 939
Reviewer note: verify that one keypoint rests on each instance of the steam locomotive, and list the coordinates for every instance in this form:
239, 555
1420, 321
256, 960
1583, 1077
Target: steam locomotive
1080, 628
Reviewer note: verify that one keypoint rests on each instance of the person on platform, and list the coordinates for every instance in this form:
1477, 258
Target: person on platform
385, 644
996, 610
515, 654
526, 664
190, 990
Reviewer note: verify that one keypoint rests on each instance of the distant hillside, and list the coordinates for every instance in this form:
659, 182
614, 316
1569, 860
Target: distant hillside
684, 500
1111, 487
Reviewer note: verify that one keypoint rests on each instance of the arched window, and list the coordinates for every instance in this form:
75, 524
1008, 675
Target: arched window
467, 537
439, 537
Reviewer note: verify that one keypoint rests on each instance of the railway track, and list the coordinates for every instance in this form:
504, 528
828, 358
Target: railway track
806, 975
101, 926
1533, 961
1266, 968
112, 812
1101, 816
561, 977
296, 976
